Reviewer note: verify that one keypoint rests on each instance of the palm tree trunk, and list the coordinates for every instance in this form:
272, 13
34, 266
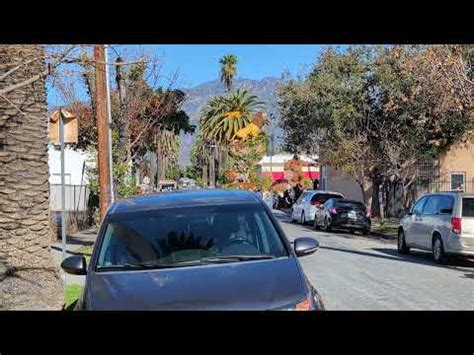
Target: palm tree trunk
29, 276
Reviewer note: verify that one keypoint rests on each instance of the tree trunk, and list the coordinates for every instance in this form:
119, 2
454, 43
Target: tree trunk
375, 208
123, 125
391, 199
28, 274
366, 189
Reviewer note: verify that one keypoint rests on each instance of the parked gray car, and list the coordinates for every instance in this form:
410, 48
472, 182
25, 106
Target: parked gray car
309, 203
194, 250
440, 222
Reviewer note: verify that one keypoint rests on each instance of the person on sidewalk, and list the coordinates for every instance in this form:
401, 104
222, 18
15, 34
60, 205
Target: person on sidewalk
315, 184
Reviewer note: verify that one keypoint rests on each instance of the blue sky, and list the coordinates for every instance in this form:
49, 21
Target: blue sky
196, 64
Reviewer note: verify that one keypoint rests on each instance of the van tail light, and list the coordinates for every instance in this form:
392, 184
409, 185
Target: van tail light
315, 203
456, 224
333, 210
304, 305
368, 214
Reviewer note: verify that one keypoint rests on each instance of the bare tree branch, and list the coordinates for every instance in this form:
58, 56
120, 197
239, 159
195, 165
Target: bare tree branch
34, 78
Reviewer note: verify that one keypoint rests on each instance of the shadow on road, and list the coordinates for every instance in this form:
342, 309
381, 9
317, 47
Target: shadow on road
282, 217
427, 258
391, 254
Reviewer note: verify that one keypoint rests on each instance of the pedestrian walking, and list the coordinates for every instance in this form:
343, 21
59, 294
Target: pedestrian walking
315, 184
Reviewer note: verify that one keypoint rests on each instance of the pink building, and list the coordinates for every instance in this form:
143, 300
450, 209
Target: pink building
274, 166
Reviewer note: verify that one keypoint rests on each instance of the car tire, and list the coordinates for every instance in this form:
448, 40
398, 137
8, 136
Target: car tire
327, 225
315, 224
303, 219
401, 243
365, 231
439, 255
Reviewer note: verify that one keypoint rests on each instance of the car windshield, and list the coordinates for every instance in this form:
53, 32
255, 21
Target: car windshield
187, 236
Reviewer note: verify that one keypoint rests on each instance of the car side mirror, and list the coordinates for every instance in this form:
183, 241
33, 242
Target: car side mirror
75, 265
305, 246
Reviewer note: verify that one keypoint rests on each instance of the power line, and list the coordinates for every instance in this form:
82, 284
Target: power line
113, 48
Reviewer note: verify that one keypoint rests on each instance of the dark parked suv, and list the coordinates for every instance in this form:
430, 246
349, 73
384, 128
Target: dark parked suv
194, 250
343, 214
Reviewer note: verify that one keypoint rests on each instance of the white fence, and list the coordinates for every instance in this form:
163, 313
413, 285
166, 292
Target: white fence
77, 197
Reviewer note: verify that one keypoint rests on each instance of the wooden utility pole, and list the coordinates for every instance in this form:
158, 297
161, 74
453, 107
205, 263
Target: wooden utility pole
102, 129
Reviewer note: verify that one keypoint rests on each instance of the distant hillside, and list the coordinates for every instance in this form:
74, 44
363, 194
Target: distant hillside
199, 95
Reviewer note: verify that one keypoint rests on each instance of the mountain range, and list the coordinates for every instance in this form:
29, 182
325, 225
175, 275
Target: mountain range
199, 95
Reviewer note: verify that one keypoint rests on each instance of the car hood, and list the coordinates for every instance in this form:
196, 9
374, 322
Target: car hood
250, 285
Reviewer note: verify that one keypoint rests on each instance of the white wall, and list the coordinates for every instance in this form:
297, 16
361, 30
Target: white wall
74, 161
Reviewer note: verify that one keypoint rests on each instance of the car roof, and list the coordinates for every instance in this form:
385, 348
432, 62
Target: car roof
183, 198
450, 193
324, 192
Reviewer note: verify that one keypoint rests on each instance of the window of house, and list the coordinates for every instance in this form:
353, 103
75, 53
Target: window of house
458, 181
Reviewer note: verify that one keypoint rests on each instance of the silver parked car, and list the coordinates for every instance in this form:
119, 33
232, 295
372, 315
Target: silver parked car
309, 202
440, 222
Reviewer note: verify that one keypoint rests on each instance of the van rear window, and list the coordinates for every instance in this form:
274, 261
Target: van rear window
468, 207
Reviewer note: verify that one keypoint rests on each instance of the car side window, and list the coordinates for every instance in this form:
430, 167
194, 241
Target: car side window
418, 207
446, 204
431, 206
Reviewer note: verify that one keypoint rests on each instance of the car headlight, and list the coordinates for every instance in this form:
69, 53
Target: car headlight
303, 305
318, 301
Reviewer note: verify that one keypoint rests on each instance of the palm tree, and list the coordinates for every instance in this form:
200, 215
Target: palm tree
201, 156
167, 146
228, 70
226, 115
28, 274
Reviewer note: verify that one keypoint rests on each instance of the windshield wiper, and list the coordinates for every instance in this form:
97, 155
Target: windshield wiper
230, 258
210, 260
150, 265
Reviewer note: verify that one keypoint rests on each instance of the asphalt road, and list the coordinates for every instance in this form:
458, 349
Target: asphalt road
353, 272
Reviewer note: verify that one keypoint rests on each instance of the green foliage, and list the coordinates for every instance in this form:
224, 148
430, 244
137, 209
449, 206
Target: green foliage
224, 116
372, 111
191, 172
307, 184
263, 183
71, 295
125, 181
173, 173
228, 70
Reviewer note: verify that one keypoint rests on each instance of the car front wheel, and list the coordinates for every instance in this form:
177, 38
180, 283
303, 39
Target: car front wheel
315, 223
303, 219
327, 225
